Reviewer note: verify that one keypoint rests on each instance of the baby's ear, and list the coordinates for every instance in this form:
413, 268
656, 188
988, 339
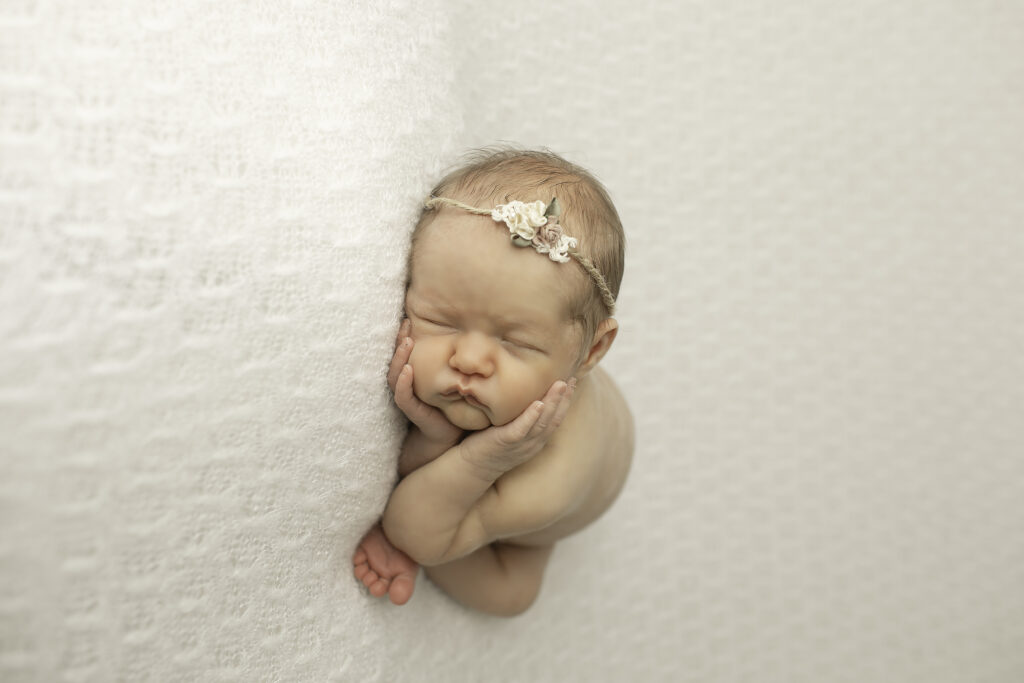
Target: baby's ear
603, 338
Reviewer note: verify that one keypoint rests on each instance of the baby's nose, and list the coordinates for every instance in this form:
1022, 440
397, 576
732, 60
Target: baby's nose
473, 354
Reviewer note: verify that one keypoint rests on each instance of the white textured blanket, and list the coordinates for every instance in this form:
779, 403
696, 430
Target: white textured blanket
204, 212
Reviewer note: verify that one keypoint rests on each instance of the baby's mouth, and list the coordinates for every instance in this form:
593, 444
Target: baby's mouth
464, 394
473, 402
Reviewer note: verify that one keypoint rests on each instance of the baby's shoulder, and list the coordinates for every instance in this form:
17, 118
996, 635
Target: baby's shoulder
584, 466
594, 444
601, 417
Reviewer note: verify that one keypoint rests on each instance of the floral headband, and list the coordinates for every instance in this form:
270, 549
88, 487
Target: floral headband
532, 224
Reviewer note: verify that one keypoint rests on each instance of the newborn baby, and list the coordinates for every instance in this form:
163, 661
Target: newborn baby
517, 437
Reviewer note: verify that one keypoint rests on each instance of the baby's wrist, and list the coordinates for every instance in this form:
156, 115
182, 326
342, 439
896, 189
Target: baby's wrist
482, 467
437, 440
426, 442
445, 442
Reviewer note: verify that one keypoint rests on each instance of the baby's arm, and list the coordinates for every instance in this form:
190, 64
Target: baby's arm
446, 509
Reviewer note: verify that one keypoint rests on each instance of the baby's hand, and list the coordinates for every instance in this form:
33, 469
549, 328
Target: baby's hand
431, 421
497, 450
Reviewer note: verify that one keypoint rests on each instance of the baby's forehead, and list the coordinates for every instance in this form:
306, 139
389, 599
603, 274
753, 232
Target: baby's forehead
467, 257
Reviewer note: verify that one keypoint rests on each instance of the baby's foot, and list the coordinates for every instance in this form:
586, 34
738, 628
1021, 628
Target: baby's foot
383, 568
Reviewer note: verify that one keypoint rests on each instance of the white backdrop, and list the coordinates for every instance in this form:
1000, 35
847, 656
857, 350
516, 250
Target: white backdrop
204, 209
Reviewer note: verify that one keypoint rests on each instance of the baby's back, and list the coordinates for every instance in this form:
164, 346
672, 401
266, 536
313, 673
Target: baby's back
592, 450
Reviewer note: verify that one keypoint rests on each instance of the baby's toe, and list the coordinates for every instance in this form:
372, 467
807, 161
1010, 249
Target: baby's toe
401, 590
380, 588
360, 556
360, 570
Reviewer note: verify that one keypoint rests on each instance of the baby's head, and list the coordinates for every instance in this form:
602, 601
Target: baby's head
496, 324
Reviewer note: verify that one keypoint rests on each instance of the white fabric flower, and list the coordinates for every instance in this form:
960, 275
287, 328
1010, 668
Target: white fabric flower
560, 253
522, 218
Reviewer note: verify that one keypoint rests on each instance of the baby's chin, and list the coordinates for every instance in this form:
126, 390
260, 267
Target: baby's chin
467, 417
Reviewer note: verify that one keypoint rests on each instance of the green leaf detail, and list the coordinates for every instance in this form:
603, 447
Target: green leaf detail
554, 208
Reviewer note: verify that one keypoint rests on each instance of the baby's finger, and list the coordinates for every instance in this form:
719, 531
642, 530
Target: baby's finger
518, 429
403, 331
552, 401
563, 407
404, 396
399, 360
421, 414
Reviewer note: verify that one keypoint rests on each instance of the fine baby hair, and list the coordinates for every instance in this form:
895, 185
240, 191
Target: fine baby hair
516, 186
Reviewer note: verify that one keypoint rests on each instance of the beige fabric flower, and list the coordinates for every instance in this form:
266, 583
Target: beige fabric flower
551, 241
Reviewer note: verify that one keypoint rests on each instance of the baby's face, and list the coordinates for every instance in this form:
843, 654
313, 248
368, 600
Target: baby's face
489, 320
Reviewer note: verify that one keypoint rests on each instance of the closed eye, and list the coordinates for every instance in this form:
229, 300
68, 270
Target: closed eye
522, 345
435, 323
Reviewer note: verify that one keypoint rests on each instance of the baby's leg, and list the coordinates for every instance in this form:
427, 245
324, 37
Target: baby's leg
501, 578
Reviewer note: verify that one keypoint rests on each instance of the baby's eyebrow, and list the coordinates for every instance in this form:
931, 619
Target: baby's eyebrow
426, 302
515, 324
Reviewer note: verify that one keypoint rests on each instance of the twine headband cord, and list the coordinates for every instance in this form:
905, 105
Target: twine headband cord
536, 225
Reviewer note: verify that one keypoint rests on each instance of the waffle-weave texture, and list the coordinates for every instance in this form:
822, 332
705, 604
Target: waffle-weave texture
205, 215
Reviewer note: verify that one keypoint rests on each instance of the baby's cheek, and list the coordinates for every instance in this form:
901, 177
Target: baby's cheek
515, 399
